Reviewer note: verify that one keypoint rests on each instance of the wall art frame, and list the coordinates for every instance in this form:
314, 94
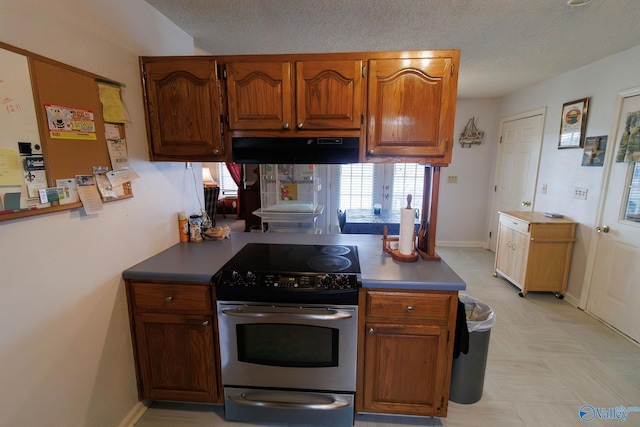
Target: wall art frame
573, 123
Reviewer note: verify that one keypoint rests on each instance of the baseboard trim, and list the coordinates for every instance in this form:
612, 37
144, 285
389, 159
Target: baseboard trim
135, 414
464, 244
572, 300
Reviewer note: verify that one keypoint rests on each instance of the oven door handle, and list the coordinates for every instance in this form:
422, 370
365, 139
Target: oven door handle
264, 400
304, 314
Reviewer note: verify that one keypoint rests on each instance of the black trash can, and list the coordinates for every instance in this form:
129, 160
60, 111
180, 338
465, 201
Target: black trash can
467, 372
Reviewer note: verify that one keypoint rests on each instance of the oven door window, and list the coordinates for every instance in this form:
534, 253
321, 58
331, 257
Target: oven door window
280, 344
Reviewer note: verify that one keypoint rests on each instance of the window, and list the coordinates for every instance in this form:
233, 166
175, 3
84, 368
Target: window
228, 187
355, 186
408, 178
633, 198
362, 185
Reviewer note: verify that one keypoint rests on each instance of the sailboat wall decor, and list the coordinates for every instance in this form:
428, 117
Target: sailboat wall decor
471, 134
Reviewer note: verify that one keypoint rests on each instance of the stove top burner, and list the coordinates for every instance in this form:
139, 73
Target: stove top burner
290, 273
329, 263
284, 258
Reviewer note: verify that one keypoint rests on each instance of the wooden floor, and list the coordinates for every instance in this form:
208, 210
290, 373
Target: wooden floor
546, 360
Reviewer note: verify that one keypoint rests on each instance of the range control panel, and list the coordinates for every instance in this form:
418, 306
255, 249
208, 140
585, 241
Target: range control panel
287, 281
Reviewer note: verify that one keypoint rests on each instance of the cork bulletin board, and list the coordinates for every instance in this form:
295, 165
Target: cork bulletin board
24, 100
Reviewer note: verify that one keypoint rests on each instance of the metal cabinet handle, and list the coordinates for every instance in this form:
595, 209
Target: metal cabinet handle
299, 125
205, 323
409, 309
371, 331
527, 203
216, 151
603, 229
372, 152
285, 126
168, 299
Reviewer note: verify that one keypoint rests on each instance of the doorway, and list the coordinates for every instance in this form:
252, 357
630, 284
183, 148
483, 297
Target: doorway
517, 166
611, 288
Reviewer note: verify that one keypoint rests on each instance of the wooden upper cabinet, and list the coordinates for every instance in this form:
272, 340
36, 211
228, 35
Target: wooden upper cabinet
329, 94
259, 95
302, 95
183, 100
412, 108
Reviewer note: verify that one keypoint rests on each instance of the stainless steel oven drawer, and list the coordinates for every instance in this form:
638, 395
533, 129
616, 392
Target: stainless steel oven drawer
289, 407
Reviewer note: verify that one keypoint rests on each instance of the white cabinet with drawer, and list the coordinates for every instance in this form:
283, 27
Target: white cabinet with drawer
534, 251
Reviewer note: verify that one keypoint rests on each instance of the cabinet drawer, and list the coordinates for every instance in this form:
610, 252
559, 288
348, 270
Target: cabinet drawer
409, 306
516, 224
170, 297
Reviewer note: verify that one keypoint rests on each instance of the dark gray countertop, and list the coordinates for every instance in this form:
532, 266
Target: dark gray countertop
198, 262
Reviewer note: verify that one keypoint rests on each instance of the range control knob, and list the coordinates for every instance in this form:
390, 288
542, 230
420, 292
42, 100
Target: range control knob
342, 281
326, 281
250, 278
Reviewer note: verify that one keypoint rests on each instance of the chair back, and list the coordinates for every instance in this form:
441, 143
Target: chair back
342, 218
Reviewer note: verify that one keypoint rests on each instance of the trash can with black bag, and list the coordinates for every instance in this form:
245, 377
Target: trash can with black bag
471, 346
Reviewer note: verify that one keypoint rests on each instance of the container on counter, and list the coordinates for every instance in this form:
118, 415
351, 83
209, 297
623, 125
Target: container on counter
183, 226
195, 228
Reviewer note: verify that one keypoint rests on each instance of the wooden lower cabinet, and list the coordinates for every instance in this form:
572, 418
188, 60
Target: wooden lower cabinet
534, 251
173, 332
407, 338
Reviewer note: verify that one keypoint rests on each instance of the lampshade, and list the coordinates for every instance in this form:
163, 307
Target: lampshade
207, 179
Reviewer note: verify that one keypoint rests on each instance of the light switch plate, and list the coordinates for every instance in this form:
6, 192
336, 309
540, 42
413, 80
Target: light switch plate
580, 193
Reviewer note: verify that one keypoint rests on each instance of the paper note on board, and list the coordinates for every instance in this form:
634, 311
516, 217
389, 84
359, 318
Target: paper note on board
9, 170
88, 193
112, 109
70, 191
120, 177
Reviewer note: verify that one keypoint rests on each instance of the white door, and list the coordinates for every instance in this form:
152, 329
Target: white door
612, 287
517, 166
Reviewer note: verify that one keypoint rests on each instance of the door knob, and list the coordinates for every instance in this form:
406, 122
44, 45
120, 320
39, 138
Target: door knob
527, 203
603, 229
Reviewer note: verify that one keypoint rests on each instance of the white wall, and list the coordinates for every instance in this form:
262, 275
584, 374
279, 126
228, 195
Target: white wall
463, 207
65, 349
561, 170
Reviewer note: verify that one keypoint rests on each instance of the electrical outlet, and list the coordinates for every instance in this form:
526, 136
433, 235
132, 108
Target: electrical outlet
188, 165
452, 179
580, 193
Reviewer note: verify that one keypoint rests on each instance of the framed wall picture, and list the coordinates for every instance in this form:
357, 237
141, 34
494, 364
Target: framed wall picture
594, 150
573, 123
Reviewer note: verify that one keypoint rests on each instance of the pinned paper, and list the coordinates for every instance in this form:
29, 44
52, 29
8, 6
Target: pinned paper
9, 171
88, 193
112, 109
53, 194
70, 191
12, 201
121, 177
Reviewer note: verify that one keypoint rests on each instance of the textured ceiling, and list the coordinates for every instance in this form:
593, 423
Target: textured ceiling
505, 44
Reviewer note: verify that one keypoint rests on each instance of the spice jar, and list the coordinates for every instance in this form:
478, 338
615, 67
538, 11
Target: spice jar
195, 228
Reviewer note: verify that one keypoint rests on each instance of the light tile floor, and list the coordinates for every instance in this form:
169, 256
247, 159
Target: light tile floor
546, 360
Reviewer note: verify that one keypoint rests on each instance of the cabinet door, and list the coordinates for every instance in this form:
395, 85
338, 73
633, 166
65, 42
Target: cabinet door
512, 253
176, 357
405, 369
504, 250
183, 109
329, 94
411, 108
260, 95
520, 245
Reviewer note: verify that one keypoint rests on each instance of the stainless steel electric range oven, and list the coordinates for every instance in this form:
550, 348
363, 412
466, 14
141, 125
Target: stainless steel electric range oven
287, 318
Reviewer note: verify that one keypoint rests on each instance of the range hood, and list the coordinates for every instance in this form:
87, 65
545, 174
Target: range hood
327, 150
